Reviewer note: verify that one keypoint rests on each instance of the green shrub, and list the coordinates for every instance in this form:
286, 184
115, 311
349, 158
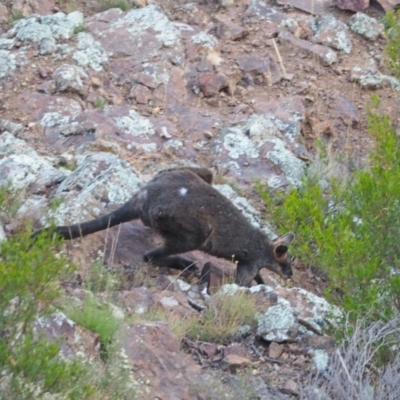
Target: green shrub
121, 4
351, 228
28, 285
391, 22
98, 318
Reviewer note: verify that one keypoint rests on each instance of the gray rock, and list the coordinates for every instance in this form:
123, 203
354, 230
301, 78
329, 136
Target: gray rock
331, 32
366, 26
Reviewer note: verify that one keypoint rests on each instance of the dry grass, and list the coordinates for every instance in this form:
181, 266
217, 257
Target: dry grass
224, 316
365, 367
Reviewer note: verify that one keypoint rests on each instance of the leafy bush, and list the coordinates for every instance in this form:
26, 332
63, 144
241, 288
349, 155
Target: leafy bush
28, 285
351, 228
391, 22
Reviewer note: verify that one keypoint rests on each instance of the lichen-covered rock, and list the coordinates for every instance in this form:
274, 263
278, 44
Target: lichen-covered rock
331, 32
90, 52
278, 323
366, 77
36, 28
366, 26
21, 166
70, 78
73, 340
101, 180
265, 143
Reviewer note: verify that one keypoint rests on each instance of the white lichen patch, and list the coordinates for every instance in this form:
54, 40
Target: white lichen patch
204, 39
134, 124
90, 52
10, 61
321, 359
237, 144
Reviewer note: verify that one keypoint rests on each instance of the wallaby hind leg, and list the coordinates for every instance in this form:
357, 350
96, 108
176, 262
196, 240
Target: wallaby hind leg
164, 256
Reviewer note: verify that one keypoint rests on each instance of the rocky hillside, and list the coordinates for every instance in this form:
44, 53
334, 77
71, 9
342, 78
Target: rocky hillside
96, 100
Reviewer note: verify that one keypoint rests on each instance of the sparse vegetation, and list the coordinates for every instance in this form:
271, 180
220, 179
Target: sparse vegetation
98, 318
391, 22
353, 371
98, 279
350, 228
121, 4
15, 16
79, 29
28, 285
100, 103
225, 315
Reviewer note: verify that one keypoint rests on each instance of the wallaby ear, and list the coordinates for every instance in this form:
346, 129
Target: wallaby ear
285, 239
282, 243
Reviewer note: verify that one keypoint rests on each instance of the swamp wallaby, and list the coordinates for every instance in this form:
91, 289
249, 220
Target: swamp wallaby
190, 214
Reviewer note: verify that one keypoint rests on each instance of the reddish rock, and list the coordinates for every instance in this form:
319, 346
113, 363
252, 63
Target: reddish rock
158, 368
233, 362
345, 111
209, 349
326, 55
316, 7
211, 83
28, 7
73, 340
389, 5
141, 94
260, 65
352, 5
275, 350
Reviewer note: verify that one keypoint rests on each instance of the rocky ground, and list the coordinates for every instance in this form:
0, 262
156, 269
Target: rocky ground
94, 101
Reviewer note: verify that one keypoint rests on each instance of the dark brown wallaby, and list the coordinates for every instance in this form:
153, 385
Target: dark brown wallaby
190, 214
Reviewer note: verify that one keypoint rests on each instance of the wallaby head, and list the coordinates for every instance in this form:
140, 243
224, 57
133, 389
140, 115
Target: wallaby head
281, 261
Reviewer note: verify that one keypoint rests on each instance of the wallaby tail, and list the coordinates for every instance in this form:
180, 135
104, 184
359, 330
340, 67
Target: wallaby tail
127, 212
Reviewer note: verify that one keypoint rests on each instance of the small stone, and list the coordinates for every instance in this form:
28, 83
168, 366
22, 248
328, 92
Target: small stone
233, 362
275, 350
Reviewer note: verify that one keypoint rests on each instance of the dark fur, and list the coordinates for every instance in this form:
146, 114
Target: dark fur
190, 214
